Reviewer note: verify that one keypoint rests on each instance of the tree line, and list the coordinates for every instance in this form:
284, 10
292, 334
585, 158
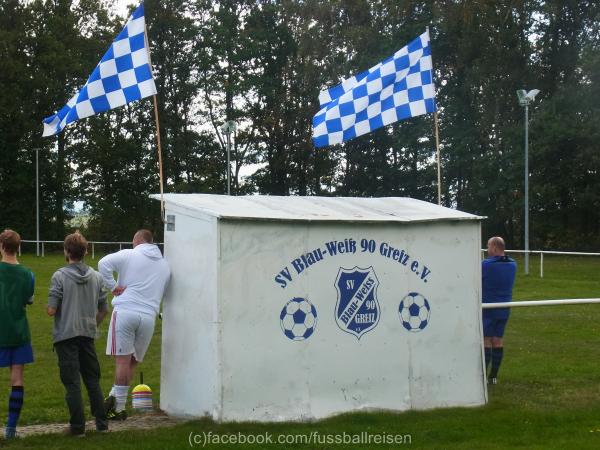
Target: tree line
262, 64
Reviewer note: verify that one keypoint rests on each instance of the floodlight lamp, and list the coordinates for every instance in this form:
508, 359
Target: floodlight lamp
522, 96
531, 94
228, 127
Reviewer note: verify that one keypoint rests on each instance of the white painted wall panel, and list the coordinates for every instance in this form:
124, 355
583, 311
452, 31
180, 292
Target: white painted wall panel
226, 353
190, 383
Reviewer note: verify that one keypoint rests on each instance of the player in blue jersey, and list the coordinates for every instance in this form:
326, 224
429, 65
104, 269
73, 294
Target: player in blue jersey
498, 278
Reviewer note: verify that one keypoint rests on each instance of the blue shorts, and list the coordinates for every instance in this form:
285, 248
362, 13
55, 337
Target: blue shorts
10, 356
493, 327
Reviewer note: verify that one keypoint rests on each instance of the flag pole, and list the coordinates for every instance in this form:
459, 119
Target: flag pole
437, 147
437, 139
160, 164
157, 122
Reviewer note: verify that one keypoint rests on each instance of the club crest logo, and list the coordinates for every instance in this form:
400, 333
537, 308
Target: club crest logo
357, 309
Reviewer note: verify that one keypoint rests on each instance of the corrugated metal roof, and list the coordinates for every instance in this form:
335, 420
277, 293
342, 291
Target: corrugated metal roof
345, 209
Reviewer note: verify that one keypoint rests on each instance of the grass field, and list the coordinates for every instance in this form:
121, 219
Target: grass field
548, 396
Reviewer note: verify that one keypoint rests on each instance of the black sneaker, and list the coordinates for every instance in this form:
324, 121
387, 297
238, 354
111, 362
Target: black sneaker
493, 381
110, 403
75, 432
114, 415
10, 433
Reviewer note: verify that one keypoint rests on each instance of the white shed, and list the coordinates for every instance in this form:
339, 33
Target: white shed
297, 308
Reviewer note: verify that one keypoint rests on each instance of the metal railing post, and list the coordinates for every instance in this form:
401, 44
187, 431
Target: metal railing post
43, 249
93, 252
541, 264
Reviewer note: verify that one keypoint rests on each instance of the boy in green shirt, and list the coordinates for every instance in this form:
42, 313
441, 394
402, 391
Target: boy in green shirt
16, 291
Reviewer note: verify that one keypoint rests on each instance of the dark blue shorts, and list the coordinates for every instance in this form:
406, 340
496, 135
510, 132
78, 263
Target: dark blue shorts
10, 356
493, 327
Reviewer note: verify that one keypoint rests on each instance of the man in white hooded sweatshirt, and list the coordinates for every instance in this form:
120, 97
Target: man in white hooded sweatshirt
143, 277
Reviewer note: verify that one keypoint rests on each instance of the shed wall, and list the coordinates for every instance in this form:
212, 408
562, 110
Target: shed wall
190, 379
268, 377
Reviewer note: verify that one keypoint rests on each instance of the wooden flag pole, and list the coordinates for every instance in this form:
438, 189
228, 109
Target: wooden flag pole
437, 147
160, 164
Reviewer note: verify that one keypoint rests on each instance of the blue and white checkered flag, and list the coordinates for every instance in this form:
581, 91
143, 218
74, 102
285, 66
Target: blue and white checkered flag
122, 76
395, 89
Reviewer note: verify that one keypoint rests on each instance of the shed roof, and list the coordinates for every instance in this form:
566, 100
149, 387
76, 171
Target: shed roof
339, 209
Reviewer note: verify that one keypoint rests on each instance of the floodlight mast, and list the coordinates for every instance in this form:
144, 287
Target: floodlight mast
524, 99
228, 128
37, 202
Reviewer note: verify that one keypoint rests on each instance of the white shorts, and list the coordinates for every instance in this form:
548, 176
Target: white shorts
129, 333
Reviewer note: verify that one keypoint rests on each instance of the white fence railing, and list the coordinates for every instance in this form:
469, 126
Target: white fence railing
41, 244
546, 252
566, 301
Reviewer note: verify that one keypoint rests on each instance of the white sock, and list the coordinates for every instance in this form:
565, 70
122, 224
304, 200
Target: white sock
120, 393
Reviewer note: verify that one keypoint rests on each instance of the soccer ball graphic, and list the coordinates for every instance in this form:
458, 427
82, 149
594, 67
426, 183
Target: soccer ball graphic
298, 319
414, 312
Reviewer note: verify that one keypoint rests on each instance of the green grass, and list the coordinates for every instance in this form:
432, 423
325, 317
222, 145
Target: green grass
44, 391
564, 277
548, 396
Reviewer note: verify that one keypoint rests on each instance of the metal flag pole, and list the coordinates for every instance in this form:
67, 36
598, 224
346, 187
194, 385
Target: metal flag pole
157, 121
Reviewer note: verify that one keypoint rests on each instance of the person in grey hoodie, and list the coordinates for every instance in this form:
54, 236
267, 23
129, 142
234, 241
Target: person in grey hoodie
78, 302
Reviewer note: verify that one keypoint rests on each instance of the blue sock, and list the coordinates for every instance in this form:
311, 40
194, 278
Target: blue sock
15, 403
497, 353
487, 351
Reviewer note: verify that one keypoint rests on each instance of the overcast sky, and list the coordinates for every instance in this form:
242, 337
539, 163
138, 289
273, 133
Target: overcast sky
121, 6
